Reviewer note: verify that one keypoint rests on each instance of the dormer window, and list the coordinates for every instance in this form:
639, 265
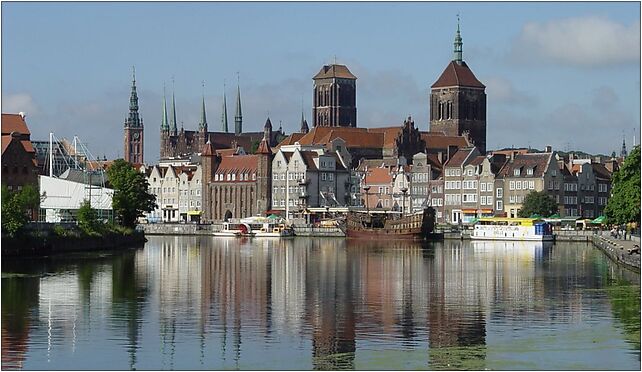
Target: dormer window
516, 172
529, 171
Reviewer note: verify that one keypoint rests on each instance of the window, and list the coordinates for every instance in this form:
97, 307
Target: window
500, 192
282, 176
275, 189
519, 185
516, 172
330, 176
482, 200
554, 172
323, 176
531, 185
512, 199
470, 172
483, 186
529, 171
253, 176
511, 185
275, 177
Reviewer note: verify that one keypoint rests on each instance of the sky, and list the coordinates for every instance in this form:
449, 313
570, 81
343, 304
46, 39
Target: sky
559, 74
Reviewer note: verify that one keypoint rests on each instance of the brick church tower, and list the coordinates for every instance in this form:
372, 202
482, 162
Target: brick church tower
458, 101
133, 129
335, 97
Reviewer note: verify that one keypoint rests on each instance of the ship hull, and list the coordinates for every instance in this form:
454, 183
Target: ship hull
410, 227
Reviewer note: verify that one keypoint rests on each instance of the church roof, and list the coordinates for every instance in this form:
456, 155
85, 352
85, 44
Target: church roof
291, 139
334, 71
208, 149
238, 164
439, 141
459, 75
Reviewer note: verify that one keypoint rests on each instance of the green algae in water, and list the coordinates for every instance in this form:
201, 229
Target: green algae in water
625, 302
457, 358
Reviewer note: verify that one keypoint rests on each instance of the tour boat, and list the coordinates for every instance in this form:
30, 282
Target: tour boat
258, 227
390, 225
498, 228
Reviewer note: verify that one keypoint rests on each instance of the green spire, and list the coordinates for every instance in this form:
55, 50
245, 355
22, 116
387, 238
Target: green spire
164, 124
203, 124
173, 117
224, 113
133, 119
238, 118
457, 57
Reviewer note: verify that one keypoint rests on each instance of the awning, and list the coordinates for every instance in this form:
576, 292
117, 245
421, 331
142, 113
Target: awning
194, 213
469, 210
599, 220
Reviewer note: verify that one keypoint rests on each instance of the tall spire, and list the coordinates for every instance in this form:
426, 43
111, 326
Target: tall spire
457, 57
224, 113
623, 152
304, 124
164, 123
238, 118
173, 117
133, 119
202, 126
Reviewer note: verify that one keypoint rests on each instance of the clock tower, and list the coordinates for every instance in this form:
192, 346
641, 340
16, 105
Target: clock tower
133, 129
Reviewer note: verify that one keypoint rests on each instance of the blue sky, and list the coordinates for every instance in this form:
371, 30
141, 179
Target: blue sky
564, 74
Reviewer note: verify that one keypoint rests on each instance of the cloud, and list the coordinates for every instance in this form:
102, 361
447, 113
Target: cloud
501, 91
605, 98
581, 41
19, 102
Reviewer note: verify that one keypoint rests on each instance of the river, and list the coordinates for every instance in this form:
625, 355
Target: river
322, 303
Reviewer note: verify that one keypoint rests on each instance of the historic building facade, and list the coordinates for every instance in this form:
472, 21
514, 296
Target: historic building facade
335, 97
236, 186
134, 144
19, 166
177, 188
458, 101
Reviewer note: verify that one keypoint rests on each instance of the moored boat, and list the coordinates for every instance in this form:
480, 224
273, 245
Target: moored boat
390, 225
498, 228
258, 227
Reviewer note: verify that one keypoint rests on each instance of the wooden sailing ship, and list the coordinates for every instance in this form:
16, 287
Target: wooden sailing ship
390, 225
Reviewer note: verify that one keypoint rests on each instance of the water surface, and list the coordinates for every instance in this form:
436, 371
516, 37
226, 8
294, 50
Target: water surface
322, 303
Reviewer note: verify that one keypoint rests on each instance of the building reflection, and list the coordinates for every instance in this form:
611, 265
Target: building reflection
226, 296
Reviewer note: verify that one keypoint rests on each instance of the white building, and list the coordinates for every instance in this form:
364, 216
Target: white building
178, 192
60, 199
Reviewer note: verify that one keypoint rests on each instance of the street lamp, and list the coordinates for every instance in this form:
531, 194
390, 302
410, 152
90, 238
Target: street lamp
404, 190
366, 189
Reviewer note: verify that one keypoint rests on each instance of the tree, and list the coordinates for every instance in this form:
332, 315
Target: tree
624, 204
131, 196
538, 202
87, 218
15, 206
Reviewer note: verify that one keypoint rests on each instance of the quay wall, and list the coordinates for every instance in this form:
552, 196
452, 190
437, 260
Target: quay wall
194, 229
617, 252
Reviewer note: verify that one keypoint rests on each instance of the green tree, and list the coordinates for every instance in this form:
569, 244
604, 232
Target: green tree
88, 218
624, 204
18, 208
131, 196
538, 202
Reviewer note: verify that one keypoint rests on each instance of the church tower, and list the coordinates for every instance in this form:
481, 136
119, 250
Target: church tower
458, 100
133, 128
623, 152
238, 118
202, 125
335, 97
165, 150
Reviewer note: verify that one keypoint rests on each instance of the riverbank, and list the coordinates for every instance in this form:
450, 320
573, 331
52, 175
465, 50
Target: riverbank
618, 251
48, 239
195, 229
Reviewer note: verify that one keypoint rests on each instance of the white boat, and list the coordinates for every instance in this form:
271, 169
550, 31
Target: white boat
498, 228
259, 227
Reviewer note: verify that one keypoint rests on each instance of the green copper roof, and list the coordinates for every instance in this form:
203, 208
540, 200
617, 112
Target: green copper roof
458, 52
133, 119
173, 117
238, 118
164, 123
203, 123
224, 113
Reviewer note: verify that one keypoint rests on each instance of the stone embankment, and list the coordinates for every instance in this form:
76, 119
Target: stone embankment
619, 250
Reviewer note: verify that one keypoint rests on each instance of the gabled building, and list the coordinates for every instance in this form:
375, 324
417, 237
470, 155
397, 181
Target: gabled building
19, 166
309, 177
178, 192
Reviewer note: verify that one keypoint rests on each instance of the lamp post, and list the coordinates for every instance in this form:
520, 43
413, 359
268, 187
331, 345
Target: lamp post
404, 190
366, 189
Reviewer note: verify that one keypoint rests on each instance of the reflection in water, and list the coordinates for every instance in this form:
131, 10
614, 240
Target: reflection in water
205, 303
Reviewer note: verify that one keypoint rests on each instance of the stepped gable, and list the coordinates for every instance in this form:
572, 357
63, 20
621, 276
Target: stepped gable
537, 161
457, 75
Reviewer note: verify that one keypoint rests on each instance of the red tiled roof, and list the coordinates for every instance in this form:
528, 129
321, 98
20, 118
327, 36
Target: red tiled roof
437, 140
291, 139
308, 158
457, 75
362, 139
378, 176
28, 146
238, 164
264, 147
14, 123
6, 140
332, 71
537, 161
434, 161
458, 158
208, 149
225, 152
601, 171
477, 160
390, 134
